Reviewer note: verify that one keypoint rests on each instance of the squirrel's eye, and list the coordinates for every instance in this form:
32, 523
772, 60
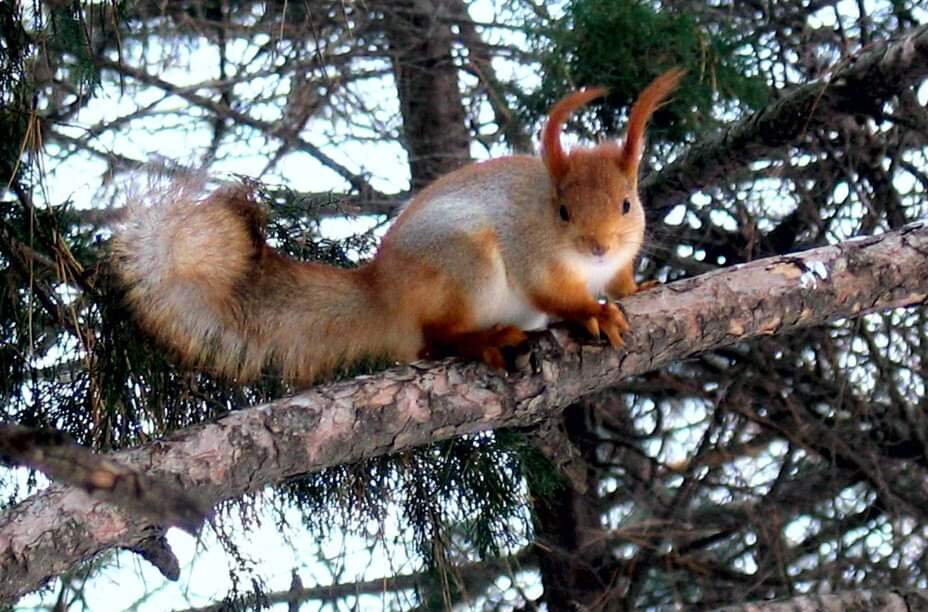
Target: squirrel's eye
564, 214
626, 206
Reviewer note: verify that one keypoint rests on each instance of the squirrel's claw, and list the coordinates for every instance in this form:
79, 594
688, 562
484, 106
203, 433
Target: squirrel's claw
592, 326
613, 323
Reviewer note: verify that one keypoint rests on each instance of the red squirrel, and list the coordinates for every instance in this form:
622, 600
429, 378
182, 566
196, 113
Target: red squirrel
477, 258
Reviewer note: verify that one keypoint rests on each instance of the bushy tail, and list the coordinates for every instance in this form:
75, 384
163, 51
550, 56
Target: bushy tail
201, 280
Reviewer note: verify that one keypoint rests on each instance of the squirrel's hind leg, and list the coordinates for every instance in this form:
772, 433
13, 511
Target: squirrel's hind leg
486, 345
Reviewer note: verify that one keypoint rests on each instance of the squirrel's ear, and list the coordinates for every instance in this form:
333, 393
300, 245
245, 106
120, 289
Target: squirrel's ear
552, 153
648, 101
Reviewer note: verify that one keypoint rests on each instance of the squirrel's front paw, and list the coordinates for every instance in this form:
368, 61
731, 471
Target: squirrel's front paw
611, 321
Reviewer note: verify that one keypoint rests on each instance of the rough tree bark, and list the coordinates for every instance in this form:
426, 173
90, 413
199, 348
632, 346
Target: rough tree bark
424, 402
66, 462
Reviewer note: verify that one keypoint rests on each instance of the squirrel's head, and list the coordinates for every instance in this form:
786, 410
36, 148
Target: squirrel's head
595, 190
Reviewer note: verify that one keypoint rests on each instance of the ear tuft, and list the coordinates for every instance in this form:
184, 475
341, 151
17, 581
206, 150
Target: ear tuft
648, 101
552, 152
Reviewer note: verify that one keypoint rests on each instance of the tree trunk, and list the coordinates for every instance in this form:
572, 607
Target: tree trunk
570, 542
420, 41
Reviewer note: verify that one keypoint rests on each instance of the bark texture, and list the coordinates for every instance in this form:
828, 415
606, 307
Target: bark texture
423, 402
65, 462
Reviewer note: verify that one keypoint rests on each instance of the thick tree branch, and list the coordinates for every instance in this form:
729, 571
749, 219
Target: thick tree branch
410, 406
861, 86
64, 461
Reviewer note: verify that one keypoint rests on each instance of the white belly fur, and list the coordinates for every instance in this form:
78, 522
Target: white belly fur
501, 302
598, 271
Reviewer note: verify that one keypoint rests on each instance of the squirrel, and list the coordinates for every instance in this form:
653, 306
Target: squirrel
479, 257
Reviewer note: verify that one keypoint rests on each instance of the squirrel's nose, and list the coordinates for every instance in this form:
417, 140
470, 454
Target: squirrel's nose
597, 249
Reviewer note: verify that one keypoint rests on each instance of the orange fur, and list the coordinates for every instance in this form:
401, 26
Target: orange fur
479, 256
566, 298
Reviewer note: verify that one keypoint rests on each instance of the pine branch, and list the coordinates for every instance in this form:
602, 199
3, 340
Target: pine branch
472, 578
59, 458
859, 87
220, 110
417, 404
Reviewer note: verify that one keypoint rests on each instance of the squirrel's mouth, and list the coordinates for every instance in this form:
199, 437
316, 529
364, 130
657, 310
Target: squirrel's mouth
593, 248
596, 260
